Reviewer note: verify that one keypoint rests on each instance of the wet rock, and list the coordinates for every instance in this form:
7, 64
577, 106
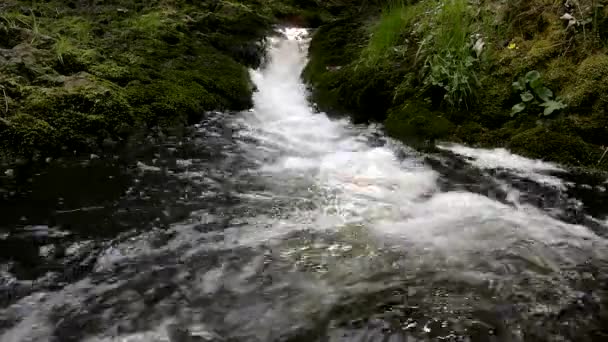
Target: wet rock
24, 60
50, 79
178, 333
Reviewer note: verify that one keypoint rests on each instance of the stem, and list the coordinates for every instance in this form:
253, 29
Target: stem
5, 102
603, 155
581, 16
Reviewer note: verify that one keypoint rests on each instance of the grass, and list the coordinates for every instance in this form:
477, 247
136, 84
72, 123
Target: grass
449, 57
10, 19
61, 47
444, 28
75, 27
396, 17
16, 20
148, 24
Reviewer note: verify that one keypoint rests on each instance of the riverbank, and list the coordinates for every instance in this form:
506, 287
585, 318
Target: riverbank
530, 76
80, 77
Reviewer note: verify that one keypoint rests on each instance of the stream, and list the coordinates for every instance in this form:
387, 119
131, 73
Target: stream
281, 224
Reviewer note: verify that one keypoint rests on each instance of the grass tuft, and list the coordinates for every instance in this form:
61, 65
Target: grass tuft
450, 62
62, 47
396, 17
148, 24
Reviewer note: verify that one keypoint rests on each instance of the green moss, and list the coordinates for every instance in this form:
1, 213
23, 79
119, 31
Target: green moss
542, 143
365, 92
334, 45
588, 89
167, 103
492, 109
414, 122
24, 135
152, 63
82, 112
594, 67
469, 133
112, 71
559, 73
542, 50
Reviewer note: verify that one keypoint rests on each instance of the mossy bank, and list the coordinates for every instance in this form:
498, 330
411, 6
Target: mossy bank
77, 75
531, 76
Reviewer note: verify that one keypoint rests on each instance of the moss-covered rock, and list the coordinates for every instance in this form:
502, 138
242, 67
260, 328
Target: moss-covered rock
493, 102
82, 112
542, 143
333, 46
23, 134
414, 123
587, 88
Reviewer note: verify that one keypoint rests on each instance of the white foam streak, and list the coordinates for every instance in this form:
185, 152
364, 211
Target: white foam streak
500, 158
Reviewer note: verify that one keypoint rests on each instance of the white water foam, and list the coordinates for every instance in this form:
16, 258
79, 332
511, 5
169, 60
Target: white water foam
500, 158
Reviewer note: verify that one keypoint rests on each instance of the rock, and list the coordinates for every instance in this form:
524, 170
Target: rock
179, 333
51, 79
9, 173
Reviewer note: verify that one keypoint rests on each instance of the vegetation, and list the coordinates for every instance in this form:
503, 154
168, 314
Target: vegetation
533, 92
397, 16
470, 71
447, 44
76, 74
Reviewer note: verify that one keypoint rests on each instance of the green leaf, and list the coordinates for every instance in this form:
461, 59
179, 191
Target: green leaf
532, 76
544, 93
519, 85
518, 108
527, 96
551, 106
536, 84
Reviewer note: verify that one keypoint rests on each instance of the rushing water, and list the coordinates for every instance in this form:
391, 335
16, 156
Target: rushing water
280, 224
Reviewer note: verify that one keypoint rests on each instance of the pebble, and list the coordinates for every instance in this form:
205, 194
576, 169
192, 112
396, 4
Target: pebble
9, 172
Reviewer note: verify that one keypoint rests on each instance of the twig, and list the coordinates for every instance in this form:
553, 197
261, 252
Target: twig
580, 11
603, 155
5, 101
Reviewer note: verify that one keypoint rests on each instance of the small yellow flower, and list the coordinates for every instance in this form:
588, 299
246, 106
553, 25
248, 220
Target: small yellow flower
512, 46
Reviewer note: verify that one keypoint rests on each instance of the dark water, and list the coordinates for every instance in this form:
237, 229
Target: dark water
281, 225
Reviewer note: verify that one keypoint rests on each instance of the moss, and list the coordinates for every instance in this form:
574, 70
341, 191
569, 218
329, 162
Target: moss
542, 50
112, 71
542, 143
594, 67
414, 122
365, 92
167, 103
559, 73
469, 133
152, 63
334, 45
492, 108
83, 112
588, 89
24, 134
591, 128
342, 82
